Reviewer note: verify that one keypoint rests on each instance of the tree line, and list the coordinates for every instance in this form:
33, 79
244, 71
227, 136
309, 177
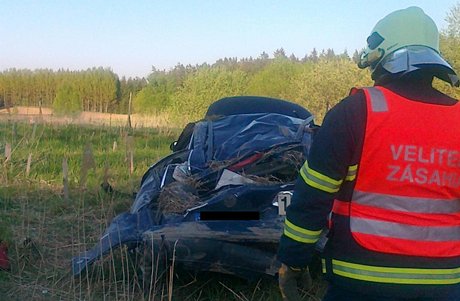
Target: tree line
317, 81
95, 89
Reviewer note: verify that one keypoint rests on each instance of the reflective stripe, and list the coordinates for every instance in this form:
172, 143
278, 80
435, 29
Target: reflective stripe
352, 171
407, 204
300, 234
395, 275
377, 99
403, 231
323, 265
318, 180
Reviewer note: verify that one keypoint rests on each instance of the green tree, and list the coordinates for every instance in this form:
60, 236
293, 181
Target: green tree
150, 100
274, 79
157, 95
204, 87
356, 57
280, 53
453, 21
322, 85
449, 45
130, 86
67, 101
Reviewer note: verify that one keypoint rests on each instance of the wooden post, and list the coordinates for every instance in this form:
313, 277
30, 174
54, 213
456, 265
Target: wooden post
40, 115
7, 152
29, 162
129, 109
131, 163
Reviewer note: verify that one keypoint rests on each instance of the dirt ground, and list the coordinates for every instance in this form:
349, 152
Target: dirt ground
36, 114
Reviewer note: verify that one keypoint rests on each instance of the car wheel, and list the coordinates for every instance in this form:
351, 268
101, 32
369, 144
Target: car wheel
255, 104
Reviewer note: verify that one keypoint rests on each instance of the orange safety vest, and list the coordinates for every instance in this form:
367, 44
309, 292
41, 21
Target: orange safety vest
406, 199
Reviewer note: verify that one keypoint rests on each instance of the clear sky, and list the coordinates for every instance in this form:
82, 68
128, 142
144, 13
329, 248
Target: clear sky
132, 36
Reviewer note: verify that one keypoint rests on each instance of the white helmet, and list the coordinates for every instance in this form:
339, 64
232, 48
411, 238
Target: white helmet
404, 41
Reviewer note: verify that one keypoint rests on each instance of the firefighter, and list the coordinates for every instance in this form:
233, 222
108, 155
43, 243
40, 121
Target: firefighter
383, 177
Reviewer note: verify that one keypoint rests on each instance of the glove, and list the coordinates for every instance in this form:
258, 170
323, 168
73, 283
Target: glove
290, 279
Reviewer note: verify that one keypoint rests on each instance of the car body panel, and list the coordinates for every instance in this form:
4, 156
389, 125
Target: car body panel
213, 205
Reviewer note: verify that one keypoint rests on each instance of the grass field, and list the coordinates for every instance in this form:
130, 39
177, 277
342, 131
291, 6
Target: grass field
52, 207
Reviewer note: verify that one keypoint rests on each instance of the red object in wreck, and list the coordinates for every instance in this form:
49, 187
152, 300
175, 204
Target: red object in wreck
4, 261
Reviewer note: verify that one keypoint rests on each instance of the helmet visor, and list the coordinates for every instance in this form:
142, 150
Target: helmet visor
411, 58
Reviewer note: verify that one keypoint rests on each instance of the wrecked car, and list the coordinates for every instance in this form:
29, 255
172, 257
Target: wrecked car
217, 202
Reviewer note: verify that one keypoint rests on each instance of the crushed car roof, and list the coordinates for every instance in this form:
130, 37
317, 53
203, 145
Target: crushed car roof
218, 195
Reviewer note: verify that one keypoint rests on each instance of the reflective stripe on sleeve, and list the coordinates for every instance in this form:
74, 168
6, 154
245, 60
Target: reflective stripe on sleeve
318, 180
300, 234
323, 265
395, 275
352, 171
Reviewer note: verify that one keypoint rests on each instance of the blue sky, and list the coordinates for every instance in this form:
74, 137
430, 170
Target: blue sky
132, 36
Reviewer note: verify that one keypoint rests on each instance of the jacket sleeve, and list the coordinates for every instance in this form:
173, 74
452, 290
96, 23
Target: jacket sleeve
329, 164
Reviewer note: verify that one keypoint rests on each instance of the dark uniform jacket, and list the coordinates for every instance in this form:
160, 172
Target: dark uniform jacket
336, 147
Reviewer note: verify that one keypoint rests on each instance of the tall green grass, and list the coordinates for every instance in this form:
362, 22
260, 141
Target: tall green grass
44, 229
50, 144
